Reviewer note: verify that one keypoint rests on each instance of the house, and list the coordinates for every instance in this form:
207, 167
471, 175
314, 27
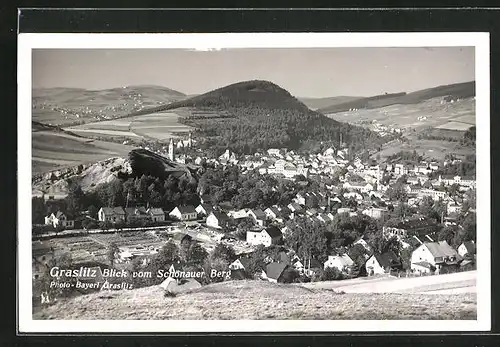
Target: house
340, 262
59, 219
111, 214
274, 272
184, 213
467, 248
239, 264
204, 209
136, 214
431, 256
376, 213
156, 214
274, 214
258, 216
267, 237
383, 263
295, 208
217, 220
415, 226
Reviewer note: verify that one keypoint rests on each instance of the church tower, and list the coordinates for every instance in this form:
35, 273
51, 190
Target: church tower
190, 140
171, 150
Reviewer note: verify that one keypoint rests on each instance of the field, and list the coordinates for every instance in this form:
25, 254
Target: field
407, 116
65, 106
53, 150
429, 149
236, 300
156, 126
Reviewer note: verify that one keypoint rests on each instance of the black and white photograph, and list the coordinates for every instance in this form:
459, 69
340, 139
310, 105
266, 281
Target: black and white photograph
255, 182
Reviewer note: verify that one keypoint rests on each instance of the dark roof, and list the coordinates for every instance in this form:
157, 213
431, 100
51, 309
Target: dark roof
238, 274
416, 223
259, 214
274, 232
275, 211
220, 216
470, 246
182, 236
207, 207
186, 209
112, 210
285, 211
274, 270
387, 259
283, 258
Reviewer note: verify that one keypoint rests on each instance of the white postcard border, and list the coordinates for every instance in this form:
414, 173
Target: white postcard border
27, 42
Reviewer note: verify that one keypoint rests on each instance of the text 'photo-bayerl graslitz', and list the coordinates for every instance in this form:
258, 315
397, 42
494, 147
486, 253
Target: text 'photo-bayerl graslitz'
254, 183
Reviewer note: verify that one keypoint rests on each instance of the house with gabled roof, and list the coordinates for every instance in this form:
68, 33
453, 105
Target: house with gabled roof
274, 214
431, 256
60, 219
467, 248
136, 213
217, 220
258, 216
156, 214
383, 263
184, 213
274, 272
111, 214
204, 209
341, 262
267, 237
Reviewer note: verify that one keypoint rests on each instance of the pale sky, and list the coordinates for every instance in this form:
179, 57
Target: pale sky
304, 72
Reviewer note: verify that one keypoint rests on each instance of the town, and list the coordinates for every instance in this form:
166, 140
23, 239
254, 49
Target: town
308, 217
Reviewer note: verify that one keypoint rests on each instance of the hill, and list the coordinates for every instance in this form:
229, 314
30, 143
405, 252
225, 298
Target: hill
72, 106
318, 103
257, 115
452, 91
260, 300
90, 175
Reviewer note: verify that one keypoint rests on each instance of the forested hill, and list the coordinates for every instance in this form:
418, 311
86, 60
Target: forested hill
258, 115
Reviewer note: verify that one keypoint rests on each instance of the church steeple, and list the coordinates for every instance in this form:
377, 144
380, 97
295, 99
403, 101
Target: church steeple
171, 150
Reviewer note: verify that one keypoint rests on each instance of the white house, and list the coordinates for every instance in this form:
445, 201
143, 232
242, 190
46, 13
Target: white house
341, 262
430, 256
258, 216
59, 219
217, 220
266, 237
184, 213
111, 214
274, 214
377, 213
379, 264
204, 209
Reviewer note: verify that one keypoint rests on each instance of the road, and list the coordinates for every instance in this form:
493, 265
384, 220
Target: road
461, 282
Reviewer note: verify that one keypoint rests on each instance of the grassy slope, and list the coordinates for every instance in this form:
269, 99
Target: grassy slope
260, 300
459, 90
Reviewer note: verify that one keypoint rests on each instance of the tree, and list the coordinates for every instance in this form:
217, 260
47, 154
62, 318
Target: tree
331, 274
193, 255
112, 251
38, 210
225, 252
